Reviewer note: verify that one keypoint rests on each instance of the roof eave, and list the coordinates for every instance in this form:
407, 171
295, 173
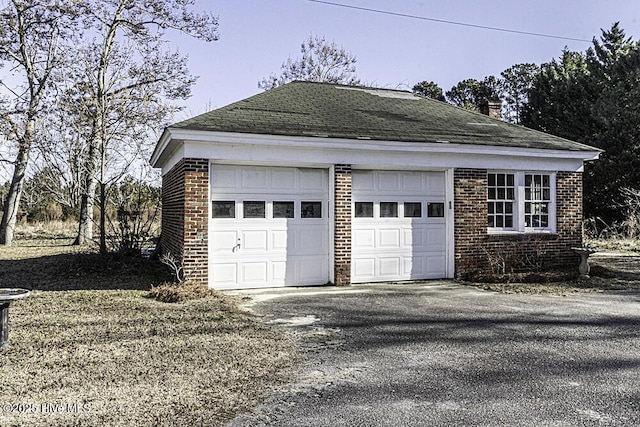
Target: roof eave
176, 135
161, 148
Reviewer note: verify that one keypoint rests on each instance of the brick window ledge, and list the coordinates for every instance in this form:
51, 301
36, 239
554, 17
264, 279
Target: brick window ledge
518, 236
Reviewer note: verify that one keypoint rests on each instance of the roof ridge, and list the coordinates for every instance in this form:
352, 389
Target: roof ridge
350, 86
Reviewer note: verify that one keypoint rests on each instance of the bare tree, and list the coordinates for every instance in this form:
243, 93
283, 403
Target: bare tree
30, 34
321, 61
128, 79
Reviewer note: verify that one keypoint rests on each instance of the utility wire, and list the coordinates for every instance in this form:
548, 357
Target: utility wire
444, 21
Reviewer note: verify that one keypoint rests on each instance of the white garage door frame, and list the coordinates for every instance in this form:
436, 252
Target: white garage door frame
269, 251
401, 247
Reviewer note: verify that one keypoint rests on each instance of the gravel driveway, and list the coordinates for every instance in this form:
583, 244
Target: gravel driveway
439, 353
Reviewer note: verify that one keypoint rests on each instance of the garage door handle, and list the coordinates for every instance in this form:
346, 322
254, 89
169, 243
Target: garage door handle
236, 247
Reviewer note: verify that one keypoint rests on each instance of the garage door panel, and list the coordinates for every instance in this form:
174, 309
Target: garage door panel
364, 238
283, 178
223, 241
225, 273
389, 181
413, 238
364, 268
313, 179
363, 181
278, 271
435, 238
412, 182
389, 267
280, 240
307, 242
389, 238
224, 177
436, 265
254, 240
414, 267
311, 269
254, 178
254, 271
435, 184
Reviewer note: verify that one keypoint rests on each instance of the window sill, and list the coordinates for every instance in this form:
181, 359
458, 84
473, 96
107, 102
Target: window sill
514, 232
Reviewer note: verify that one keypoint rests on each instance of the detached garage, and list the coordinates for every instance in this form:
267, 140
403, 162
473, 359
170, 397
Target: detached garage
312, 183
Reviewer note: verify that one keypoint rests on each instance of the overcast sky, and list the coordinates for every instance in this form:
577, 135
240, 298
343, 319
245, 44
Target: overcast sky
256, 36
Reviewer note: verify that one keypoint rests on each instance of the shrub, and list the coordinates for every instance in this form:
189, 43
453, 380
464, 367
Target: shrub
172, 292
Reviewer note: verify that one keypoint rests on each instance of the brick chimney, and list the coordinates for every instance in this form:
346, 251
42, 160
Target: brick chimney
492, 108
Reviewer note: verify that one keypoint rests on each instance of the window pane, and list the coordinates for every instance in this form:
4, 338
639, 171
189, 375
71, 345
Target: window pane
223, 209
364, 210
501, 180
388, 209
253, 209
311, 209
283, 210
508, 208
412, 209
501, 193
535, 221
492, 194
510, 180
510, 194
491, 221
499, 221
492, 179
435, 210
490, 207
508, 221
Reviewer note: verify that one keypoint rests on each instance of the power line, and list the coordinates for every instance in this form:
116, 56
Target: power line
444, 21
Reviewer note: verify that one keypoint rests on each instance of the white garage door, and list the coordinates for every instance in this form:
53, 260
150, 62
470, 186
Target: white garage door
398, 229
269, 227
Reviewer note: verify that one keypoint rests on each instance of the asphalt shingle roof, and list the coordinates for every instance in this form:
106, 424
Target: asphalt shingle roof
336, 111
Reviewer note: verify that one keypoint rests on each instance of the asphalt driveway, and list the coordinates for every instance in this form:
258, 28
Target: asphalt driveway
439, 353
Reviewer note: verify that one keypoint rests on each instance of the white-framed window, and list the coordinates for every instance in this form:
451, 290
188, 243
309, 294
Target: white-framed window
521, 202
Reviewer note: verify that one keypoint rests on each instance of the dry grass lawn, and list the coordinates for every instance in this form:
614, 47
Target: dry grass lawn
89, 348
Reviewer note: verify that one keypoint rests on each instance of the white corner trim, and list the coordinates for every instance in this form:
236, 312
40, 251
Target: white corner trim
450, 223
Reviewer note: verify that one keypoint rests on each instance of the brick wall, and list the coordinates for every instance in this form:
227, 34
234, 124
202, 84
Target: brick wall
476, 251
342, 238
185, 210
470, 223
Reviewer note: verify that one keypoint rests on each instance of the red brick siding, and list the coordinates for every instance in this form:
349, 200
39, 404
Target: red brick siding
172, 237
185, 216
342, 237
476, 251
470, 223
